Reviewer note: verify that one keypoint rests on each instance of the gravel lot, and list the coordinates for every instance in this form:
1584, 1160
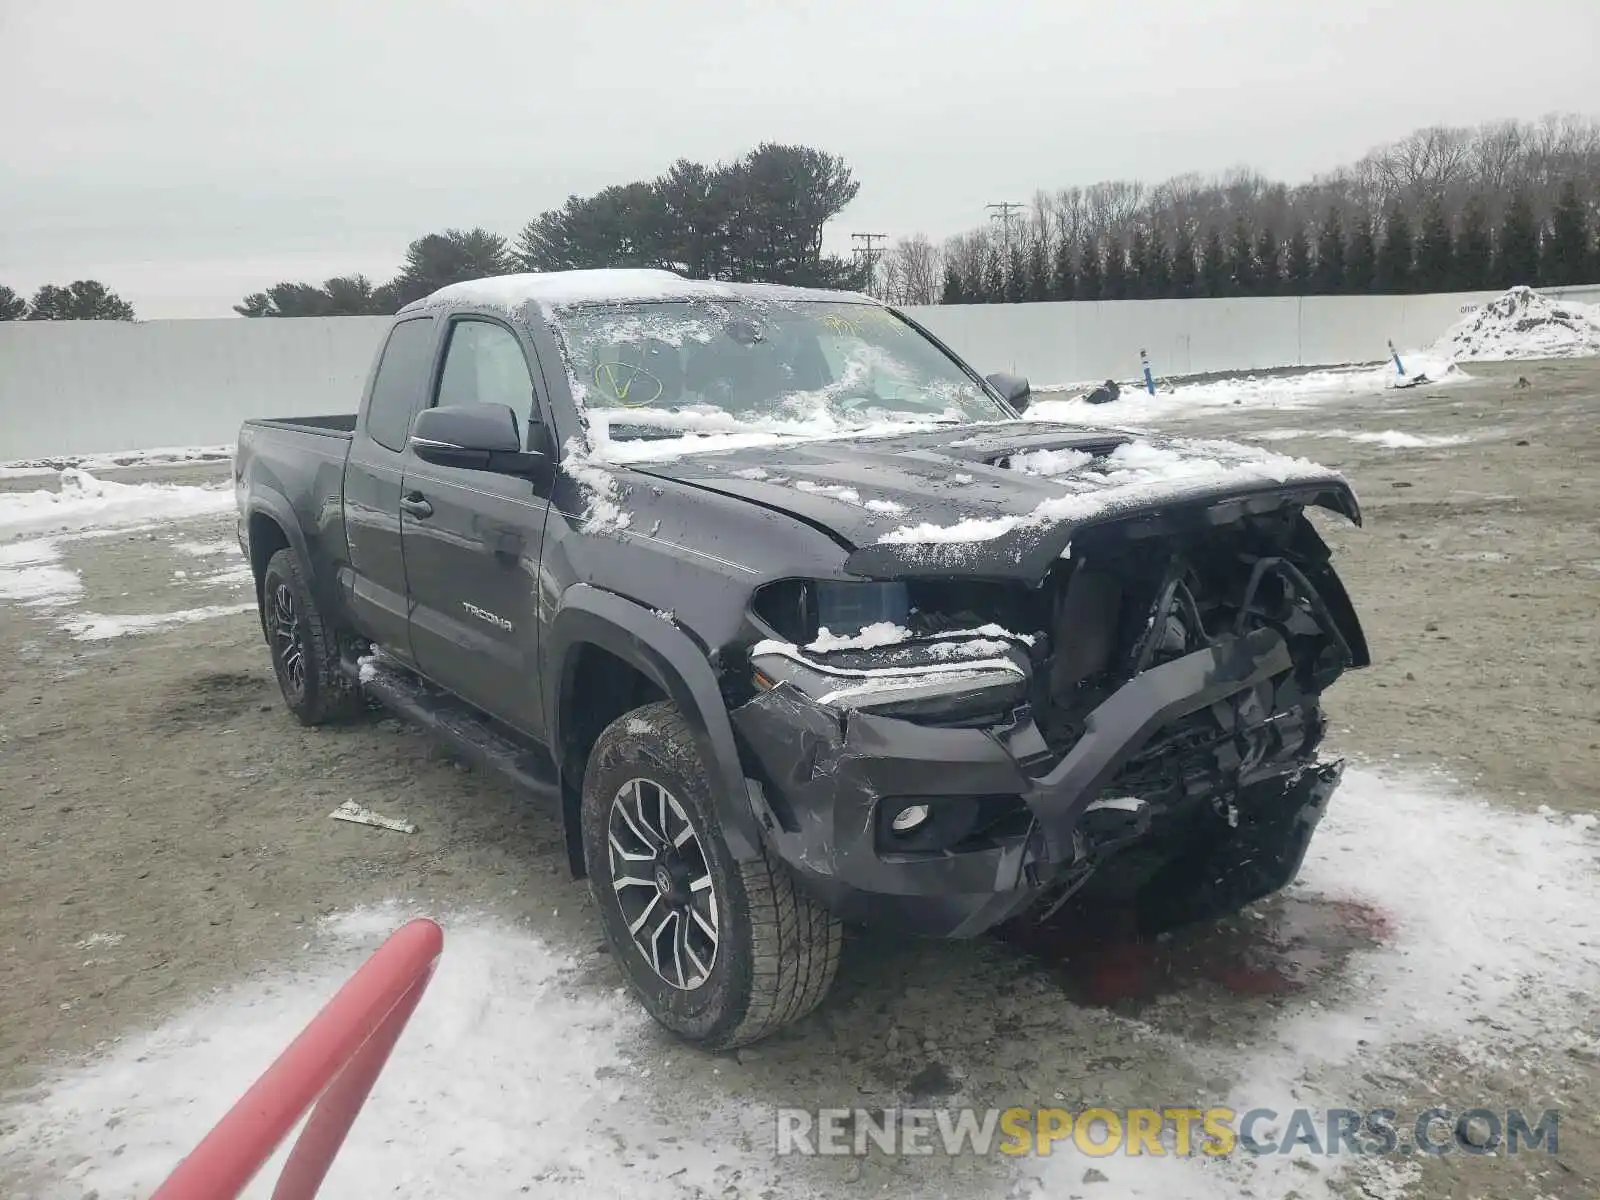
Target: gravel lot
166, 833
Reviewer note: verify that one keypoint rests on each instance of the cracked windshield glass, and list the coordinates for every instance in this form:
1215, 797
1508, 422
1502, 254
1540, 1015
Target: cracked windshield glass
671, 370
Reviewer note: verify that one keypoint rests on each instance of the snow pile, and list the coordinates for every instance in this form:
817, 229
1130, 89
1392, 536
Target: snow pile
85, 502
1299, 390
1137, 472
513, 1076
112, 460
1523, 324
602, 493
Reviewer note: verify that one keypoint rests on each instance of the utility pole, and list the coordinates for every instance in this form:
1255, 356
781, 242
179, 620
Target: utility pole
1004, 217
868, 255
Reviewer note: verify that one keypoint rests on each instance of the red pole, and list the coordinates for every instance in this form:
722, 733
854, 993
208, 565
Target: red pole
336, 1057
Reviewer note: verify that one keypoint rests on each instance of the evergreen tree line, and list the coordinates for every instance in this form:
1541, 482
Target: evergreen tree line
1437, 254
1465, 180
81, 300
757, 218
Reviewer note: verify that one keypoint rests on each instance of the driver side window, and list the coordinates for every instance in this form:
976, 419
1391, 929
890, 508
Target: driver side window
484, 364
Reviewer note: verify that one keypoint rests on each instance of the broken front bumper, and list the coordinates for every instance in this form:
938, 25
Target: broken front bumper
830, 770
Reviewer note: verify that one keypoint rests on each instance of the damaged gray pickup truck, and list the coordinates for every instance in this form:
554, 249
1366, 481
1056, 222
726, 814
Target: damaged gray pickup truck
800, 621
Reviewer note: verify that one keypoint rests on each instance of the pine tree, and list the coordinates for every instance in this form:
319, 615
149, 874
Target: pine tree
1116, 270
1185, 274
1329, 278
1566, 258
1361, 257
1241, 261
1038, 270
1297, 262
1064, 274
1159, 281
81, 300
1396, 255
1091, 277
12, 306
952, 293
1436, 250
1474, 257
1517, 255
1214, 265
1269, 264
994, 275
1016, 274
1138, 285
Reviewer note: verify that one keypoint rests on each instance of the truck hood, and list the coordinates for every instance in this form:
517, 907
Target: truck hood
997, 500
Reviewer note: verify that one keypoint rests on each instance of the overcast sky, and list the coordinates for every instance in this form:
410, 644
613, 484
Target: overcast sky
187, 153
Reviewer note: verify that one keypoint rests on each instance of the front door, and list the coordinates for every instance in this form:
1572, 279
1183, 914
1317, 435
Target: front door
375, 584
472, 541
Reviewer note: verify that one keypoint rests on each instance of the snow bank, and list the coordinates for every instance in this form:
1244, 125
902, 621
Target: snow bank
1302, 390
513, 1076
116, 460
1523, 324
85, 502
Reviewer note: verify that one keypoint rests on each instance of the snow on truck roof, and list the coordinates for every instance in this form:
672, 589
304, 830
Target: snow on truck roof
614, 286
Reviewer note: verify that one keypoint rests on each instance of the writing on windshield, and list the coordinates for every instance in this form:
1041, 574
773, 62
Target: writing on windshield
760, 366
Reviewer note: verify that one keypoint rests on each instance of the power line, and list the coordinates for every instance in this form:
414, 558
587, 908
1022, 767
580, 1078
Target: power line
1004, 217
868, 255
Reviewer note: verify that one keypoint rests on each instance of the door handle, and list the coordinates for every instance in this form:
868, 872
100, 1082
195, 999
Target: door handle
416, 504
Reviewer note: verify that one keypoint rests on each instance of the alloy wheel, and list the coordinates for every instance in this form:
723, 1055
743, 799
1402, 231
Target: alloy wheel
663, 883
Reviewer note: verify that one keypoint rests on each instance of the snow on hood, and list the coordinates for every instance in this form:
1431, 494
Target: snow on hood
1523, 324
987, 498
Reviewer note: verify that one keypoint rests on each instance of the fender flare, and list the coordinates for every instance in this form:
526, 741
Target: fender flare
666, 656
267, 501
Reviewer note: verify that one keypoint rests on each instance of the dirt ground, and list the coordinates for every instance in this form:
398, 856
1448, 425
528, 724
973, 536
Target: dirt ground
166, 822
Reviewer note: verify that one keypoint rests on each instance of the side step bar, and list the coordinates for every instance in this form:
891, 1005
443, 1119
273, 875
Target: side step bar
464, 729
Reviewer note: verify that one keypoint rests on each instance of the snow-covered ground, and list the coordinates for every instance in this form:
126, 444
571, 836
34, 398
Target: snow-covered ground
115, 460
1302, 390
38, 528
520, 1073
82, 501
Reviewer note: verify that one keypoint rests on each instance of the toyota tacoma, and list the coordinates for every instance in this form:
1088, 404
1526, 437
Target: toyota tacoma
801, 621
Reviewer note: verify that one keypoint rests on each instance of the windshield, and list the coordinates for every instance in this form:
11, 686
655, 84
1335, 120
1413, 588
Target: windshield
649, 371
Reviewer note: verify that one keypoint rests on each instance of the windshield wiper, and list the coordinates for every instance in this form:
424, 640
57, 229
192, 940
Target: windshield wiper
645, 433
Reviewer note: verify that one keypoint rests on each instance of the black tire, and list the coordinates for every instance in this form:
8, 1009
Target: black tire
776, 951
304, 646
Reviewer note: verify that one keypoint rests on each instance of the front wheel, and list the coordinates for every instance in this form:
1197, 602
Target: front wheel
304, 646
719, 952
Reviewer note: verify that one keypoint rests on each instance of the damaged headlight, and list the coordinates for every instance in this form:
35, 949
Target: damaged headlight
946, 691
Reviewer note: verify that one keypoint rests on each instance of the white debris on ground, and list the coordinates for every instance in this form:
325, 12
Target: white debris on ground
113, 460
355, 814
1522, 324
85, 502
1299, 390
1137, 472
511, 1076
517, 1072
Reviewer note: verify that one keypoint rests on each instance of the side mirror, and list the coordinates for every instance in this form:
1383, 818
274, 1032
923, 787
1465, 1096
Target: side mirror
1013, 389
479, 437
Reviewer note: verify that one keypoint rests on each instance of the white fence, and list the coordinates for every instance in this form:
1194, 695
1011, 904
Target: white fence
86, 386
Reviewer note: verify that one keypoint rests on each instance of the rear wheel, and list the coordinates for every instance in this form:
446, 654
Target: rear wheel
304, 646
721, 953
